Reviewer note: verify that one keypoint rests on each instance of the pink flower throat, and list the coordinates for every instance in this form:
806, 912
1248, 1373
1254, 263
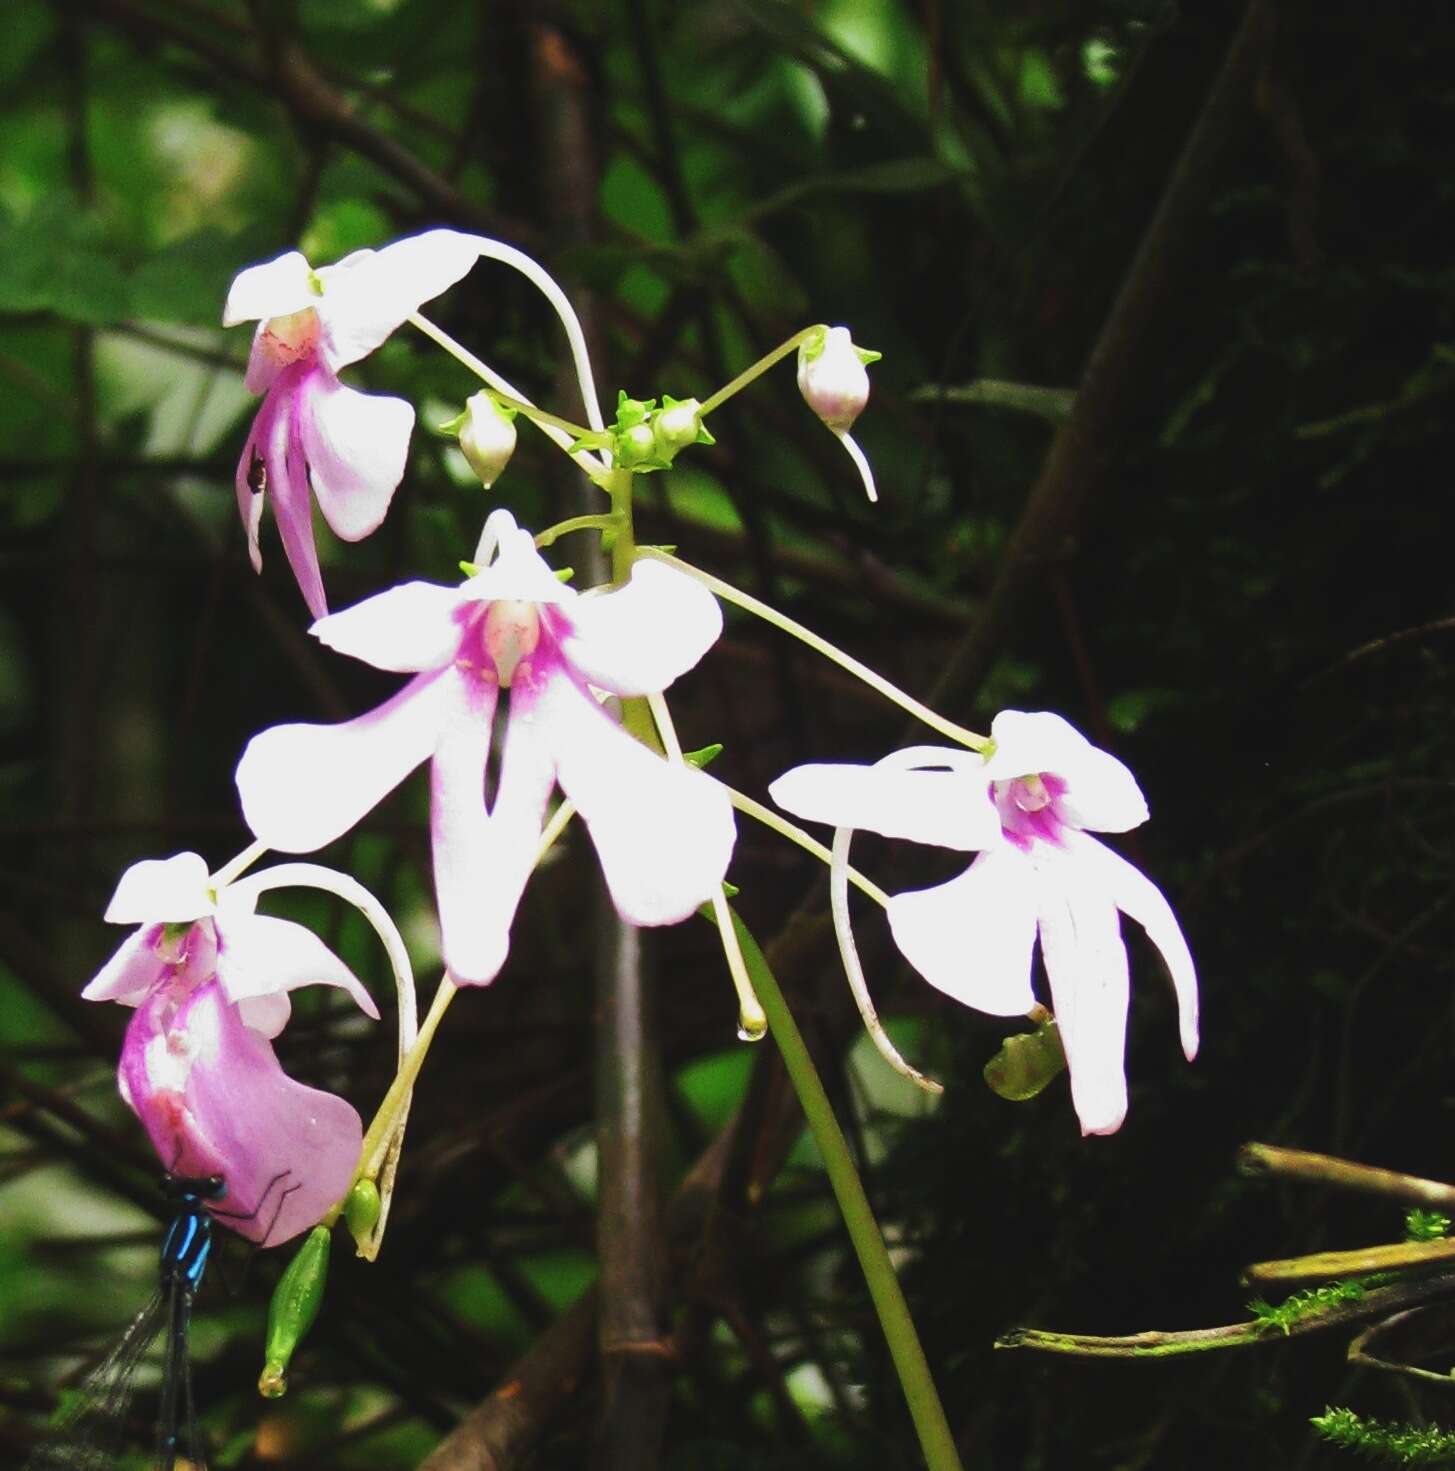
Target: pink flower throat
1029, 808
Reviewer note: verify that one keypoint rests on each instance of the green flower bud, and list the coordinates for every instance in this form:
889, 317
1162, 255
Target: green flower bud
1027, 1062
295, 1305
361, 1208
487, 436
635, 446
676, 425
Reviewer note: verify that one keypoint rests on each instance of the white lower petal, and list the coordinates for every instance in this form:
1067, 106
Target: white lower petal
356, 445
664, 832
482, 859
406, 629
302, 786
951, 809
259, 955
1086, 965
972, 938
1136, 895
173, 889
637, 639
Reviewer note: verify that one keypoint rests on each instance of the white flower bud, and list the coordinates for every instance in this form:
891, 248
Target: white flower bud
832, 378
676, 425
487, 436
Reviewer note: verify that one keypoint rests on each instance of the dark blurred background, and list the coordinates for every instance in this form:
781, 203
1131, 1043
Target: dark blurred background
1230, 229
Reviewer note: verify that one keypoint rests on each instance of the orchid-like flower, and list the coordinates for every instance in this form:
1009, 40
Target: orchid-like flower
663, 830
1039, 875
313, 433
209, 979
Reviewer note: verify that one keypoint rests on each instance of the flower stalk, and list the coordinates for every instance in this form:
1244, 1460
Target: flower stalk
846, 662
910, 1363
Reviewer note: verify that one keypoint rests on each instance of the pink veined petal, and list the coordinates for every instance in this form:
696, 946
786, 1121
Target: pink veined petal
664, 832
259, 955
1086, 964
356, 445
1136, 895
483, 859
407, 629
972, 938
276, 288
1101, 793
214, 1100
369, 295
173, 889
639, 638
951, 809
266, 1014
131, 972
304, 785
287, 485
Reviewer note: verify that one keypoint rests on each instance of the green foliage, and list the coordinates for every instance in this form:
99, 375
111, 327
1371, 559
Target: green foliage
1379, 1440
1306, 1304
1422, 1225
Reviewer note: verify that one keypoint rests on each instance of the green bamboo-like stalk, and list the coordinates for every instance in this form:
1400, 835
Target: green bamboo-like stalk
904, 1345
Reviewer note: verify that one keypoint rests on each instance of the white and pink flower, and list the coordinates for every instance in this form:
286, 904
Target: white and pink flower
313, 434
663, 831
1028, 808
209, 979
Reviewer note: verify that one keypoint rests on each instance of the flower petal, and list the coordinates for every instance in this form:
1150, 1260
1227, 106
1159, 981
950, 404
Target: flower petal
483, 859
249, 480
409, 628
1086, 965
304, 785
259, 955
518, 571
214, 1100
951, 809
1101, 793
639, 638
368, 295
1136, 895
356, 445
266, 1014
972, 937
173, 889
274, 289
131, 972
664, 832
287, 486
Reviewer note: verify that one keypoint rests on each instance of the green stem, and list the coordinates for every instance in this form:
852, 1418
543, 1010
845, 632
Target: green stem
846, 662
756, 371
597, 521
933, 1429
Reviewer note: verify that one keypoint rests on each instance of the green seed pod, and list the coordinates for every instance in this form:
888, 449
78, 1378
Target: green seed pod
1027, 1062
361, 1208
295, 1305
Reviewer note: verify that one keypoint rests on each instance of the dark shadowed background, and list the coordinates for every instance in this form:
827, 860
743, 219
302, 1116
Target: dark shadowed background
1230, 229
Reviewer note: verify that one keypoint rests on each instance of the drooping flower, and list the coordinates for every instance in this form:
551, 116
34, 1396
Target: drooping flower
312, 433
209, 979
663, 831
1030, 808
